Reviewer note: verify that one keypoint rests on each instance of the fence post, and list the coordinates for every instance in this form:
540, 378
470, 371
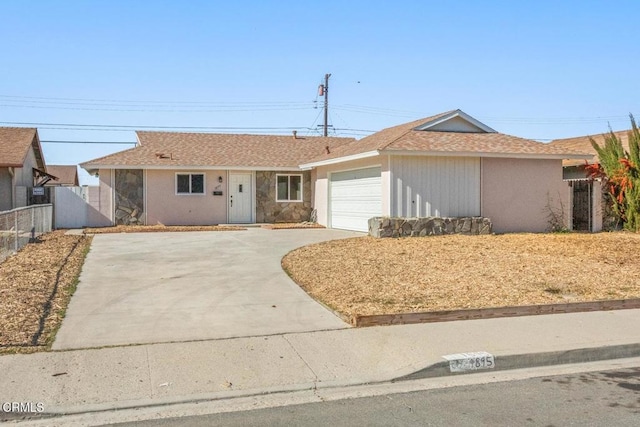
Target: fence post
15, 219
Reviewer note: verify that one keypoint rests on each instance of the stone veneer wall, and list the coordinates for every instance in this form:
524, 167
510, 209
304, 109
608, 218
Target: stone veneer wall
428, 226
129, 196
270, 211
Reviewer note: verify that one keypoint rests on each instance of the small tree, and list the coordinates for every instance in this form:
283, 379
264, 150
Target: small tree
620, 173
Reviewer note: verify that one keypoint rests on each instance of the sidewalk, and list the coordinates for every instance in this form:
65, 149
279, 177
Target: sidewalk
123, 377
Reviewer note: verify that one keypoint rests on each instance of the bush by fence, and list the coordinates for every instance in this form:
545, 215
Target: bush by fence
19, 226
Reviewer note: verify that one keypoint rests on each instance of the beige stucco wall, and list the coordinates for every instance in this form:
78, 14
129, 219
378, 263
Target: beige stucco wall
23, 180
515, 193
104, 204
165, 207
24, 175
321, 187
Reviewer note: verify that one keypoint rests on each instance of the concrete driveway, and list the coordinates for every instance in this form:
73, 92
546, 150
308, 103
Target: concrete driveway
163, 287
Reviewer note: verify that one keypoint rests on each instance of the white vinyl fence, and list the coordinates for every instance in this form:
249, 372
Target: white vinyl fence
77, 207
20, 226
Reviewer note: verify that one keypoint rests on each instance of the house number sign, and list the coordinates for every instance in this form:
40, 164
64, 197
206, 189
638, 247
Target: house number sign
463, 362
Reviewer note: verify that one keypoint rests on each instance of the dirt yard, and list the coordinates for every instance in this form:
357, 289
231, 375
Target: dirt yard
35, 287
365, 276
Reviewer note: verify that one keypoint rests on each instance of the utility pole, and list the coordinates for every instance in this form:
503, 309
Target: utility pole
323, 90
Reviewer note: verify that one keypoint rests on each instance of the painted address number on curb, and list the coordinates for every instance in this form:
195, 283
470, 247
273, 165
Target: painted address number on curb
462, 362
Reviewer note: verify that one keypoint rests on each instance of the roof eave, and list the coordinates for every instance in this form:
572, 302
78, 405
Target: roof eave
95, 167
547, 156
342, 159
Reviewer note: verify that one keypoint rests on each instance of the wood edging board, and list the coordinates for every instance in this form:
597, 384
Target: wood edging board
492, 312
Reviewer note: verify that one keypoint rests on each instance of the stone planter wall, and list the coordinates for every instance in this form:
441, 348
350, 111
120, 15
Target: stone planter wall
129, 196
428, 226
270, 211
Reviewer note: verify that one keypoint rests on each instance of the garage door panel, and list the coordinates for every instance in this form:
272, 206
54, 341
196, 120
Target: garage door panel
356, 196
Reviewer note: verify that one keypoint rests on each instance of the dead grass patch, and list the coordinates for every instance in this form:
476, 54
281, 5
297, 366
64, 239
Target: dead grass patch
159, 228
36, 285
367, 276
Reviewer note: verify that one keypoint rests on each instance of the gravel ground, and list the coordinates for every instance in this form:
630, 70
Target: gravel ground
365, 276
35, 287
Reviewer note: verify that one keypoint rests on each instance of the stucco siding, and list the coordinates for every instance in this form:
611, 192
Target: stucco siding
516, 193
435, 186
6, 195
24, 175
105, 198
321, 188
164, 206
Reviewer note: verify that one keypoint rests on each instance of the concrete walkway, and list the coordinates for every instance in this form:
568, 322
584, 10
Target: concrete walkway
133, 376
163, 287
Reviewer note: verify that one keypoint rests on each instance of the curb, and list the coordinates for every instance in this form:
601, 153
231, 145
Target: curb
440, 369
360, 321
533, 360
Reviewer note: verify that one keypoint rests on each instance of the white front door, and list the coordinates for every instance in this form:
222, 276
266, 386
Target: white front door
240, 196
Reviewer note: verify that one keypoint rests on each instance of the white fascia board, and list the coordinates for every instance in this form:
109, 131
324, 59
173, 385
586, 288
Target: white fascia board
358, 156
462, 115
212, 167
541, 156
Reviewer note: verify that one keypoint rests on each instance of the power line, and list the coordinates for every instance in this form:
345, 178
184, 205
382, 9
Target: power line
152, 127
89, 101
146, 110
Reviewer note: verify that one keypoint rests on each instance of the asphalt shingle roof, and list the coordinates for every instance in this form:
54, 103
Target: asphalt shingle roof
180, 149
583, 144
14, 145
66, 174
405, 137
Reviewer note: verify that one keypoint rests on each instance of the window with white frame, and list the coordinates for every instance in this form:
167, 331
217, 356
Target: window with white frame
189, 183
289, 188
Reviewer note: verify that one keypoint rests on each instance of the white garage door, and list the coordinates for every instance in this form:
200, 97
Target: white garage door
355, 197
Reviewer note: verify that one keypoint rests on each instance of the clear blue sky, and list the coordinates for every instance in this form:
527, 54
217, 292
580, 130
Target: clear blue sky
539, 69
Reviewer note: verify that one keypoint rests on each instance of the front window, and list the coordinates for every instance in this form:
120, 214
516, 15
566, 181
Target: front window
289, 188
190, 183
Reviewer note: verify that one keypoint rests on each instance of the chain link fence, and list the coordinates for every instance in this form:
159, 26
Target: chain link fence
21, 226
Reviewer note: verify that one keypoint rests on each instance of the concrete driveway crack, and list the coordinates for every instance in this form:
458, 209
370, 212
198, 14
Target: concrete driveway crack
315, 376
149, 373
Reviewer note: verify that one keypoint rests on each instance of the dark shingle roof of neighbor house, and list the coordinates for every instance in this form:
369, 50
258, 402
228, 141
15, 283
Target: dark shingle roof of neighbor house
66, 174
583, 144
179, 149
407, 137
14, 146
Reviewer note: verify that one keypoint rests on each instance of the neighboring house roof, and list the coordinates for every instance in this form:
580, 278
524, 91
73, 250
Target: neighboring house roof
428, 136
198, 150
583, 144
66, 174
15, 144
